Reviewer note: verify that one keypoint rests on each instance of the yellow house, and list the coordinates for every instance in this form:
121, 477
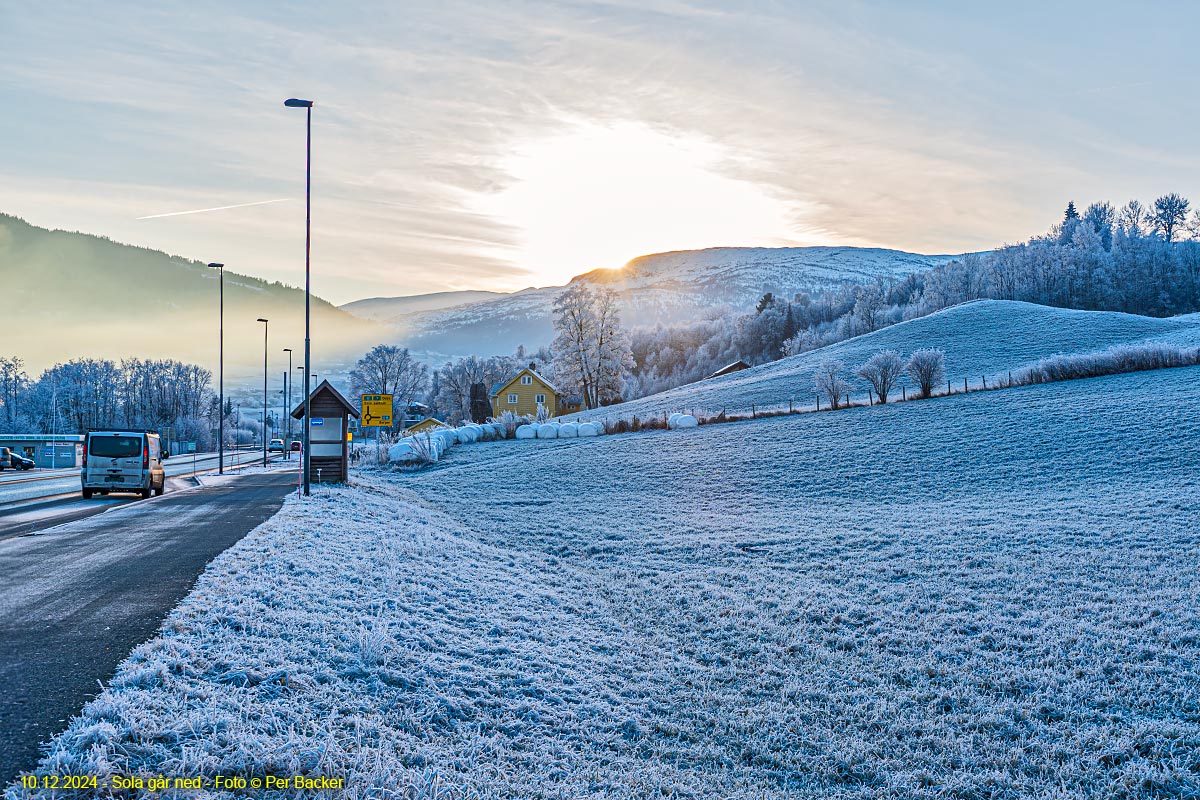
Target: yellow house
523, 392
427, 424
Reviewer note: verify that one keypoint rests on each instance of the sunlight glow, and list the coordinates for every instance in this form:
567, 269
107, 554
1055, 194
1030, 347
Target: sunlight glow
597, 196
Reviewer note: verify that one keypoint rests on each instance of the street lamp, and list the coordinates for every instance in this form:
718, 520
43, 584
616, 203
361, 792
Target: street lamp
264, 428
287, 408
221, 373
307, 105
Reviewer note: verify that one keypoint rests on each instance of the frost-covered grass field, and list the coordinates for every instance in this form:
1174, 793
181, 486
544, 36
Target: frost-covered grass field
984, 338
994, 595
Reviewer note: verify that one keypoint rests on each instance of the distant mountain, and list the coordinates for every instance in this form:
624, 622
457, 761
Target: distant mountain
383, 309
666, 288
86, 296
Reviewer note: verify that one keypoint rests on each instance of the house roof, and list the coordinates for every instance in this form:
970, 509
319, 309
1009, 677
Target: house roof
433, 420
327, 387
736, 366
499, 387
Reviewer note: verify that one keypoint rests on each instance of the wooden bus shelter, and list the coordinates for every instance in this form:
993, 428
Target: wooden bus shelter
327, 433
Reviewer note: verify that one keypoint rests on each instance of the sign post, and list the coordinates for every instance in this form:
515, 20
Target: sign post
377, 413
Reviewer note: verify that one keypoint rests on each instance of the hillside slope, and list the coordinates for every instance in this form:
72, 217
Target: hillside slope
981, 338
86, 296
665, 287
984, 596
383, 309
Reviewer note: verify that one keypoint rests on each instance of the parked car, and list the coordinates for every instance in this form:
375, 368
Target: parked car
122, 461
21, 462
276, 446
297, 446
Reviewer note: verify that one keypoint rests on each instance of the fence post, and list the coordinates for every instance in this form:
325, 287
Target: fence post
984, 379
964, 385
791, 405
870, 397
847, 398
948, 389
1010, 379
902, 397
818, 402
753, 411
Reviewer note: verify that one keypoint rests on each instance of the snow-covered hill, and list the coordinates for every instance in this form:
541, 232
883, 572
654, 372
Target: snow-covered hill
666, 287
385, 309
981, 338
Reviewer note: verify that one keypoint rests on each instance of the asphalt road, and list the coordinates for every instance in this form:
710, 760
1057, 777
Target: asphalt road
31, 501
76, 599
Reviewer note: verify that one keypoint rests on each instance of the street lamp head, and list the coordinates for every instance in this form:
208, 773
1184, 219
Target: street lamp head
294, 103
287, 349
260, 319
215, 265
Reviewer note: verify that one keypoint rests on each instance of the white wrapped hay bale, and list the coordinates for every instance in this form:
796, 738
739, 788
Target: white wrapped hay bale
673, 419
527, 432
402, 451
446, 437
686, 421
589, 428
568, 430
547, 431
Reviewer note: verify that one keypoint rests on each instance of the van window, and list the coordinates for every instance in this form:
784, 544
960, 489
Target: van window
115, 446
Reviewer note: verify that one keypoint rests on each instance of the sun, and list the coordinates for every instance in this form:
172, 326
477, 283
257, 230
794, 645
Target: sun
598, 195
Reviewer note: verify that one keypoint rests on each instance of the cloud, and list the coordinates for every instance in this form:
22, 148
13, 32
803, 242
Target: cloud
928, 129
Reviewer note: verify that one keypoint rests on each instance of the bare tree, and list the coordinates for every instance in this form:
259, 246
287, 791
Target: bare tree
591, 352
830, 383
1169, 215
882, 370
927, 368
388, 369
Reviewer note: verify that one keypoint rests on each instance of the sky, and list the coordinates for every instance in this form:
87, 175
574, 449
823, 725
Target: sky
497, 145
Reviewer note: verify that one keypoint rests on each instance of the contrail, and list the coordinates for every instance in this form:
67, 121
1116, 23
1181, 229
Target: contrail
218, 208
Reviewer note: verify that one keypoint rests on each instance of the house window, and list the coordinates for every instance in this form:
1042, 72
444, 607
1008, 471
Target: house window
512, 399
526, 379
539, 398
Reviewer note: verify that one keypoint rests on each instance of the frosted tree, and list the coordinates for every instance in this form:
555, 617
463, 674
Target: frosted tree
1132, 218
387, 369
1102, 217
882, 370
1168, 215
868, 303
591, 350
830, 383
927, 368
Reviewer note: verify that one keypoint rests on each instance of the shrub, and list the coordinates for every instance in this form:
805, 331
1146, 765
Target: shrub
927, 368
882, 370
830, 383
1113, 361
424, 449
510, 421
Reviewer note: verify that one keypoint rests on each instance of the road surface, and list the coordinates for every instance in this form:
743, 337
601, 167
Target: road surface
34, 500
76, 599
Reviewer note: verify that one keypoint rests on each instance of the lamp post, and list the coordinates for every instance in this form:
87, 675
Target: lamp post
221, 371
287, 407
307, 105
264, 428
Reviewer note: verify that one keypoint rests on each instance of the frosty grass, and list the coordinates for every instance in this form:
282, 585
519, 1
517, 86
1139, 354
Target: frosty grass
986, 596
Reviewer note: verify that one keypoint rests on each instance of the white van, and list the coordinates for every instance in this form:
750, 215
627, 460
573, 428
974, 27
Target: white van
122, 461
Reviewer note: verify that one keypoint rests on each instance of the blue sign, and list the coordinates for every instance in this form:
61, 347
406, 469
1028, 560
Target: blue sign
318, 420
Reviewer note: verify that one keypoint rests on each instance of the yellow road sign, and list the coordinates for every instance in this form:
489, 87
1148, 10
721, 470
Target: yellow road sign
377, 410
